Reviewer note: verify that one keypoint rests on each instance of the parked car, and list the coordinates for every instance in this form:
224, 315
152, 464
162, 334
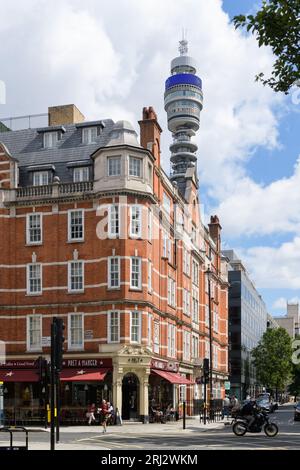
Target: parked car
297, 412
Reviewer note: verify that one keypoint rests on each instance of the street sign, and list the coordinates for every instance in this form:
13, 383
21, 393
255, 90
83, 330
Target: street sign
227, 385
46, 341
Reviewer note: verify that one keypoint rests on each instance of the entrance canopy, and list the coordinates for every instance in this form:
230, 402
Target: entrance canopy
16, 375
173, 377
83, 375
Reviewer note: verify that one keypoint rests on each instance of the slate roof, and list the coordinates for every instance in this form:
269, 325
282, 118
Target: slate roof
27, 147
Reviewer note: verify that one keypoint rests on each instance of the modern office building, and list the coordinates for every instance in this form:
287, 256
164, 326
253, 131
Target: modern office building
247, 323
291, 320
94, 232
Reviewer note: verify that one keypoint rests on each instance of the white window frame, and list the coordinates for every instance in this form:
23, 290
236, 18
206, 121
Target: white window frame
78, 346
132, 167
139, 287
116, 158
39, 292
70, 263
195, 272
150, 271
150, 224
186, 345
206, 315
114, 221
216, 321
156, 336
135, 221
109, 271
165, 245
195, 306
28, 229
77, 239
30, 347
171, 292
109, 326
171, 340
40, 178
139, 316
186, 262
81, 174
195, 347
186, 302
166, 203
149, 328
50, 139
215, 356
88, 136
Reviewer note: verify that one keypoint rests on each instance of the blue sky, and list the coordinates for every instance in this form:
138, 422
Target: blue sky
268, 165
111, 65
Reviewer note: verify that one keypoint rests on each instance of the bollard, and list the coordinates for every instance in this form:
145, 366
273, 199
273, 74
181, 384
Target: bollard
183, 411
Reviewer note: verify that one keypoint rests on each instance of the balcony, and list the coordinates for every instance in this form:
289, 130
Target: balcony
56, 190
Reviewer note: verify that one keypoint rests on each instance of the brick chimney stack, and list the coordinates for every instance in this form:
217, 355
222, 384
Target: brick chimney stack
215, 232
150, 133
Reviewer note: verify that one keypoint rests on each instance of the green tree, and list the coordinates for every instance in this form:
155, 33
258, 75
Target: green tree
273, 359
277, 24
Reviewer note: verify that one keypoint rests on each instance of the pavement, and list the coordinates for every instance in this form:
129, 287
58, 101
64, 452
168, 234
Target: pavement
84, 434
138, 436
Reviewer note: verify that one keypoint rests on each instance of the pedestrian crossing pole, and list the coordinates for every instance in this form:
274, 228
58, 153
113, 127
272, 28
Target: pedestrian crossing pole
52, 388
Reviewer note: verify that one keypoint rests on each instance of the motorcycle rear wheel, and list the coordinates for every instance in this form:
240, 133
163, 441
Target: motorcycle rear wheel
239, 429
271, 429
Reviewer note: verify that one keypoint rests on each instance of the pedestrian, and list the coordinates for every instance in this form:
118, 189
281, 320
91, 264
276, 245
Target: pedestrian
226, 406
104, 414
91, 414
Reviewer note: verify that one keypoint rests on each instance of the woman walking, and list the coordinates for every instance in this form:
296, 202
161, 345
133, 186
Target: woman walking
104, 414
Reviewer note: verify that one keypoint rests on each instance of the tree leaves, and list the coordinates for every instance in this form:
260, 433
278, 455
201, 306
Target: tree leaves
273, 358
277, 24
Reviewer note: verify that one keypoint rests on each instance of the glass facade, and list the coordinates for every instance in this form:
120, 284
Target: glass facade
247, 324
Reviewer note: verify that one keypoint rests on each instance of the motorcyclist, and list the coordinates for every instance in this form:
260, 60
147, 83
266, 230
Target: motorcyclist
249, 411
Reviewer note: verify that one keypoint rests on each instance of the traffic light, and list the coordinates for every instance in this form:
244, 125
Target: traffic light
59, 342
206, 369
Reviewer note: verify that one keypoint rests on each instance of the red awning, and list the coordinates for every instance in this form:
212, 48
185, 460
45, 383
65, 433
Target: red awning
173, 377
83, 375
15, 375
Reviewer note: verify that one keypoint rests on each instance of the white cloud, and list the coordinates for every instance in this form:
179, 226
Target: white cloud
281, 302
257, 209
112, 58
276, 268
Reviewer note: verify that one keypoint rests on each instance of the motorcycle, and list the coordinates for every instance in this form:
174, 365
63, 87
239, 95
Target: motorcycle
240, 425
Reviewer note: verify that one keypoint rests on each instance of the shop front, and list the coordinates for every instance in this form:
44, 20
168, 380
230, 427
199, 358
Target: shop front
23, 392
167, 389
84, 382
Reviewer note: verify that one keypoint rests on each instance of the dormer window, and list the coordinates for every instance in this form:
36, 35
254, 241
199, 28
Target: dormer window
50, 139
89, 135
40, 178
81, 174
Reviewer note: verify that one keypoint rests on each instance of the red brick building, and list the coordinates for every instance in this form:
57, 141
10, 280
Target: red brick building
94, 232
